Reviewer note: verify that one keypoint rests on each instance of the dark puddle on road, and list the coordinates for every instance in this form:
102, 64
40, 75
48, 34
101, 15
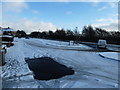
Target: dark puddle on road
46, 68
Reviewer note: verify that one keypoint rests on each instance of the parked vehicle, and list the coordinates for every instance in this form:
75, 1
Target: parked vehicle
26, 37
102, 44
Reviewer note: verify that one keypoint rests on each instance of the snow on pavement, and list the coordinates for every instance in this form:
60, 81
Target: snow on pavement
91, 70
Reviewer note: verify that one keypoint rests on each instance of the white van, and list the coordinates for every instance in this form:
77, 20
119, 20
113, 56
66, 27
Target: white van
102, 44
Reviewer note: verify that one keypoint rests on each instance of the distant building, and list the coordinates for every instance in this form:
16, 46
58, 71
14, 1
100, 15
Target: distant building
6, 39
9, 31
8, 36
0, 30
0, 38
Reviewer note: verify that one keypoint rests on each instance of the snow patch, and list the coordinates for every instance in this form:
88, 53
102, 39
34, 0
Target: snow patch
112, 55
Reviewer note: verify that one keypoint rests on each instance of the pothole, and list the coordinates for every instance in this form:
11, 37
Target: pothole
46, 68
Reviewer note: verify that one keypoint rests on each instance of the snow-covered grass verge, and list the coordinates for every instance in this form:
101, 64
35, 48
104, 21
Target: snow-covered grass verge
111, 55
57, 44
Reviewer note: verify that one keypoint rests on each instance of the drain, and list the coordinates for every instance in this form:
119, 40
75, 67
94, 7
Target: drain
46, 68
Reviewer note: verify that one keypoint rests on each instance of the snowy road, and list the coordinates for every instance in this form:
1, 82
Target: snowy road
91, 70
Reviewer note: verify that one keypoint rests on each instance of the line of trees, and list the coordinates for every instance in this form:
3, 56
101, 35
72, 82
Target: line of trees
89, 34
94, 34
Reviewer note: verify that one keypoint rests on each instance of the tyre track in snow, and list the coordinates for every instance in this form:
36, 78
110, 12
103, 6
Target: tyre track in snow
84, 72
87, 73
87, 50
40, 83
29, 46
13, 77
